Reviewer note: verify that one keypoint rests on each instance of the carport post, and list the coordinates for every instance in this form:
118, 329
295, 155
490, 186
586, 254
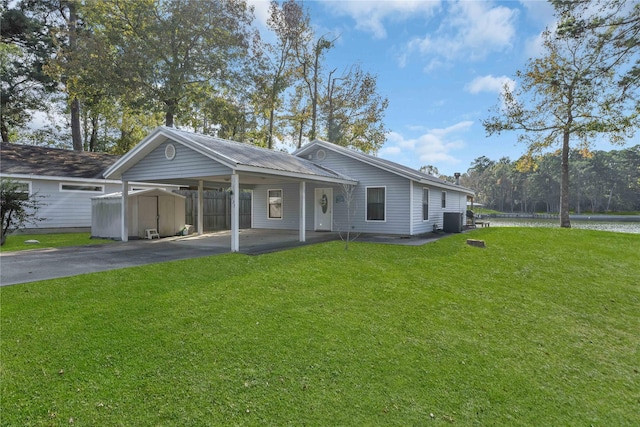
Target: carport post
200, 207
302, 221
235, 212
124, 229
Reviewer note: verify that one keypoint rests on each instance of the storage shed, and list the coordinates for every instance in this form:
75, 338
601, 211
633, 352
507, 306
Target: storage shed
146, 209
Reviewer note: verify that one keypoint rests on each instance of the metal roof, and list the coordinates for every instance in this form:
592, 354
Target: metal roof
388, 165
236, 155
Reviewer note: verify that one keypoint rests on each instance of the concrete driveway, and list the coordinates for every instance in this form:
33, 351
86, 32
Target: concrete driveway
51, 263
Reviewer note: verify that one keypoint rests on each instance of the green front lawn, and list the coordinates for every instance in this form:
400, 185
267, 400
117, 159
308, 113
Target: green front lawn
16, 242
539, 328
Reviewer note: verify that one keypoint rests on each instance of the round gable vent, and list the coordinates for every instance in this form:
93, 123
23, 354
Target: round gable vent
170, 151
320, 155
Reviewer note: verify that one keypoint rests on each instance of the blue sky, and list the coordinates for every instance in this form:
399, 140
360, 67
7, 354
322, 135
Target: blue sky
441, 64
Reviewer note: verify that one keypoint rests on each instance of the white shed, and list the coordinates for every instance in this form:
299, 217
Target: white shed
147, 209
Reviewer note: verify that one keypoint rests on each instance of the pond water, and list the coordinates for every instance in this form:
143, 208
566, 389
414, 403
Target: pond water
617, 226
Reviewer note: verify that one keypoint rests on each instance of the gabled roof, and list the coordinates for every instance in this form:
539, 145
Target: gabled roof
235, 155
53, 162
387, 165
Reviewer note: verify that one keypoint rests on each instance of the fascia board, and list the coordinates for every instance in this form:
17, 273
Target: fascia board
452, 187
59, 178
86, 180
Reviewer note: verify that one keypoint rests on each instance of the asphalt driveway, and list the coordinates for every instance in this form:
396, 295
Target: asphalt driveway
52, 263
41, 264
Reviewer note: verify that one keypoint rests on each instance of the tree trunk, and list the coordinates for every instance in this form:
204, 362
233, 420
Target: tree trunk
94, 134
4, 131
168, 116
314, 96
76, 131
270, 136
74, 105
565, 222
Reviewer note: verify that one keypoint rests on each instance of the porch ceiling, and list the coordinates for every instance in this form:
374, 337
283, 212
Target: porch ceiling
247, 180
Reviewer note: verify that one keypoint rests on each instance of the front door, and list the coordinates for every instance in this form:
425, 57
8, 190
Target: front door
323, 209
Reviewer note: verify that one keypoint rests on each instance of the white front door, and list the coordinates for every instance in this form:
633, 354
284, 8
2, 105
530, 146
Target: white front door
323, 209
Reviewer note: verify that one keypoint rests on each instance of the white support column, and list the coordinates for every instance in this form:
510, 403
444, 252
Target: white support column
124, 208
200, 207
303, 216
235, 212
410, 208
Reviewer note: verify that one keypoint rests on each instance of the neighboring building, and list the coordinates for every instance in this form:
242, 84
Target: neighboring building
64, 180
302, 191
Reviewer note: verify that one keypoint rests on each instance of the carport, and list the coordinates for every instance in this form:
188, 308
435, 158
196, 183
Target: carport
194, 161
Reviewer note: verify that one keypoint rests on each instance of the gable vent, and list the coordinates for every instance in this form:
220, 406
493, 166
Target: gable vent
320, 155
170, 151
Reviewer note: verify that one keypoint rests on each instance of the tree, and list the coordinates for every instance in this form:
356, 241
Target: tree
349, 195
169, 50
17, 207
430, 170
26, 47
354, 111
310, 56
616, 22
570, 93
291, 25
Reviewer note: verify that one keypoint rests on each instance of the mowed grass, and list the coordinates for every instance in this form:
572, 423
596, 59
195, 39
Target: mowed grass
16, 242
542, 327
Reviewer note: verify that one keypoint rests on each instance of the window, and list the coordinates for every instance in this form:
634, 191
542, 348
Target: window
23, 187
82, 187
274, 198
444, 199
376, 203
425, 204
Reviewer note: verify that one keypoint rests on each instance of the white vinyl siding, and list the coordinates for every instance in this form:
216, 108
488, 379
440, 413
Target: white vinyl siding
397, 197
290, 207
186, 163
66, 209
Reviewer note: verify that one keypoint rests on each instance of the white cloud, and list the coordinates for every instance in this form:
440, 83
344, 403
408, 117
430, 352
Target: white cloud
435, 147
261, 11
369, 15
471, 30
490, 84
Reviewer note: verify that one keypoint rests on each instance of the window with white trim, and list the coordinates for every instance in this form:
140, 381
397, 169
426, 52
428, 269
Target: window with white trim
425, 204
274, 201
444, 199
376, 203
23, 187
82, 188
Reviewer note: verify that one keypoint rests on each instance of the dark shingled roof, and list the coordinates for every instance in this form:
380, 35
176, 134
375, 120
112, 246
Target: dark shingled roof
44, 161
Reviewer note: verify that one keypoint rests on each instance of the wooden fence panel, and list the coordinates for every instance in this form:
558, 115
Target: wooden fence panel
217, 209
